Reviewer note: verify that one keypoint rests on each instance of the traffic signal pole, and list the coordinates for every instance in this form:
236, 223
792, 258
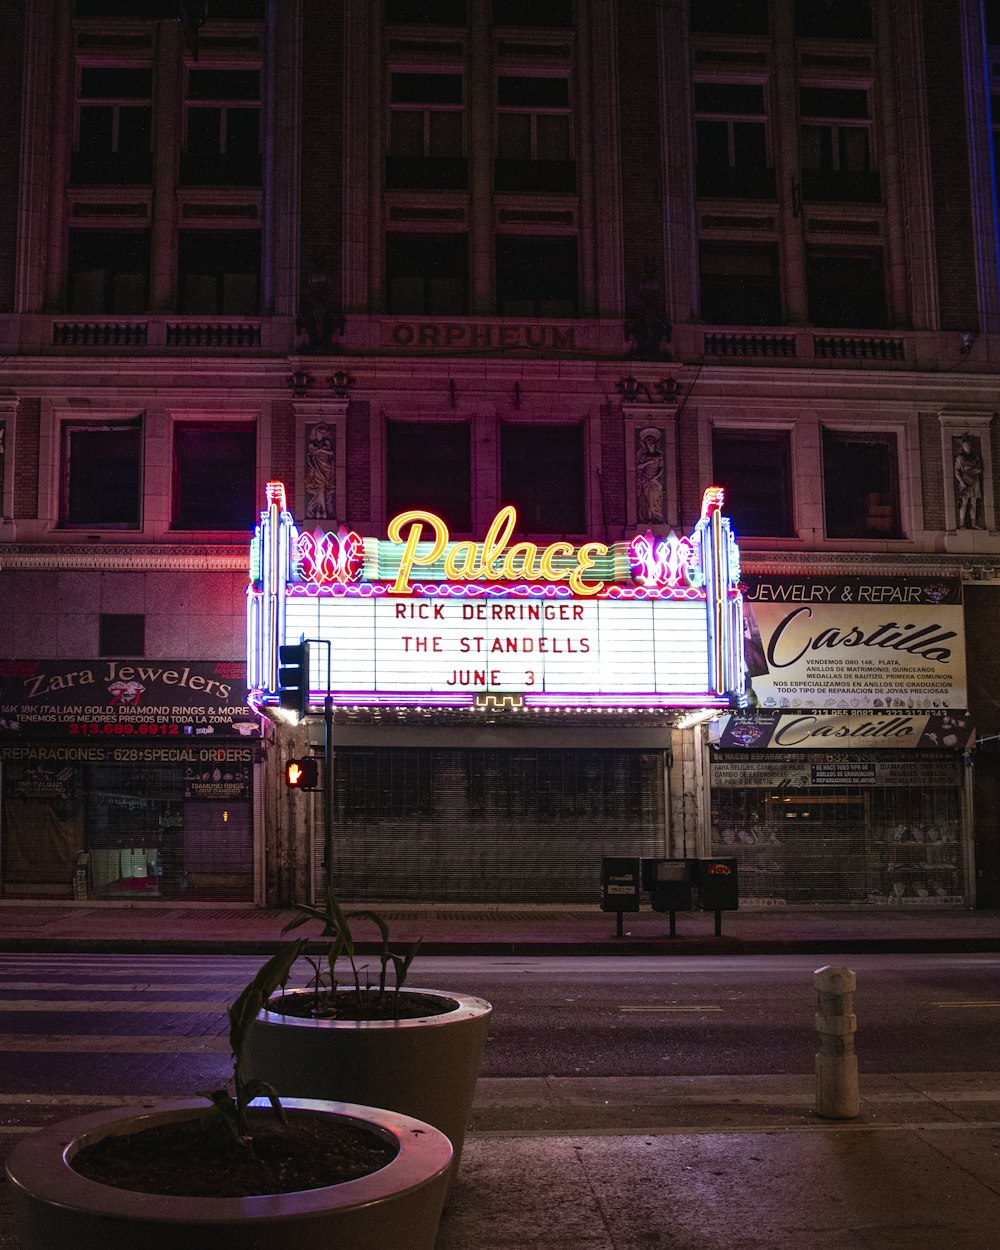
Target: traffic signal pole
328, 809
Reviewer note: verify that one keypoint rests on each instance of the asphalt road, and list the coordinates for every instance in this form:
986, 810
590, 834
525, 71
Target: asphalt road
90, 1024
669, 1094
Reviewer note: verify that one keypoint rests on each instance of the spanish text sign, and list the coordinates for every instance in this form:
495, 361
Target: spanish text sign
855, 642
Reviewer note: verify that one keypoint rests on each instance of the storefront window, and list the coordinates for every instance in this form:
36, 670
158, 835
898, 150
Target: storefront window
825, 827
124, 830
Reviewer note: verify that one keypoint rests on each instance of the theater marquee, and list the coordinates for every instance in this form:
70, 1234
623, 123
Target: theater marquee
419, 618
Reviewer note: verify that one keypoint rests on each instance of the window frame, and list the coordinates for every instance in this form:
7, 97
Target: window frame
535, 111
133, 423
427, 108
892, 435
582, 428
839, 253
838, 126
465, 424
392, 234
537, 299
763, 246
750, 431
78, 230
224, 104
115, 102
189, 231
244, 422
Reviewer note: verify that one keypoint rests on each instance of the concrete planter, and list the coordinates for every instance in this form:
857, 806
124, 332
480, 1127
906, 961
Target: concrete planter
425, 1067
56, 1208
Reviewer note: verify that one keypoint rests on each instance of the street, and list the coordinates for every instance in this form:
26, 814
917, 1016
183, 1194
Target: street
619, 1050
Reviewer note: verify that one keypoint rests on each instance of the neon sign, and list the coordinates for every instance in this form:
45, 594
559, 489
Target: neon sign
494, 561
418, 618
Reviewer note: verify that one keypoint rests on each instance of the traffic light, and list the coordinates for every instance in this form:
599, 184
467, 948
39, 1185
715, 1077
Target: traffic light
293, 678
302, 774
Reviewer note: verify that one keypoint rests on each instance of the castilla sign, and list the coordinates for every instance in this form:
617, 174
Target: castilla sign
419, 618
889, 644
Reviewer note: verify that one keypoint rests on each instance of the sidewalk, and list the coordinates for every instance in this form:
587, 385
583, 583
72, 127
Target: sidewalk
515, 929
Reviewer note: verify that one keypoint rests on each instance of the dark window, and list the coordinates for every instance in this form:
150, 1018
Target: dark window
860, 485
108, 271
992, 21
729, 17
536, 276
426, 12
219, 272
846, 289
168, 10
534, 141
837, 145
427, 466
542, 475
427, 273
995, 122
215, 477
101, 474
739, 284
121, 633
3, 463
731, 134
114, 123
833, 19
552, 13
222, 128
426, 132
754, 467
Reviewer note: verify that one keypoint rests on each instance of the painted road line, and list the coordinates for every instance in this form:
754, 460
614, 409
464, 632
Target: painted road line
651, 1007
123, 1006
69, 1044
972, 1002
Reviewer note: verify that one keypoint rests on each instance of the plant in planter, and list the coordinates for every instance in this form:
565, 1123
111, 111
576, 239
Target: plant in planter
415, 1051
237, 1173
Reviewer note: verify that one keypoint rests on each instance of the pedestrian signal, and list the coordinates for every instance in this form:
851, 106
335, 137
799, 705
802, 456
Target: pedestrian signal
302, 774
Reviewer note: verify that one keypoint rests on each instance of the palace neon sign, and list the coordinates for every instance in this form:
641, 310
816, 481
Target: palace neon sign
494, 561
420, 618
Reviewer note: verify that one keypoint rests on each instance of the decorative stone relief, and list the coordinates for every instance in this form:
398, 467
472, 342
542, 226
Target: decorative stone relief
650, 502
967, 462
320, 476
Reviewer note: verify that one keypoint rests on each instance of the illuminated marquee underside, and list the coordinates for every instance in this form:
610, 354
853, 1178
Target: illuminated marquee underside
655, 623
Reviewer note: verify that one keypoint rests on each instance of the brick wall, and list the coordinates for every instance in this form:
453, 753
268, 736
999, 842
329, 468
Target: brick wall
949, 165
358, 477
931, 471
25, 453
12, 30
282, 466
613, 484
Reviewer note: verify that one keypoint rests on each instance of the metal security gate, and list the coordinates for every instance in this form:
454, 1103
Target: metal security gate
483, 825
842, 827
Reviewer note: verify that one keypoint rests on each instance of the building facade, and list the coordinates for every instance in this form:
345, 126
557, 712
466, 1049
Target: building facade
584, 258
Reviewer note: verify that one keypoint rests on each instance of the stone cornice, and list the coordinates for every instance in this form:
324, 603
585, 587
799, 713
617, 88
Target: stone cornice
141, 557
870, 564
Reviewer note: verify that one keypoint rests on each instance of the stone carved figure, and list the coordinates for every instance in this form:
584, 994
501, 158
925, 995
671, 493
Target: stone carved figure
968, 466
320, 478
319, 317
649, 499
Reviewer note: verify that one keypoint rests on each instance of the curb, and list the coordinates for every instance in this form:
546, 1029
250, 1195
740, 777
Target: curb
528, 947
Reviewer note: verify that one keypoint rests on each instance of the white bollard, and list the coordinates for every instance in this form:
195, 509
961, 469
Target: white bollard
837, 1095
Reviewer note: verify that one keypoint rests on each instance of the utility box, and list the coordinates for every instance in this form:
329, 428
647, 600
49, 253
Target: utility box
717, 880
670, 884
621, 883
